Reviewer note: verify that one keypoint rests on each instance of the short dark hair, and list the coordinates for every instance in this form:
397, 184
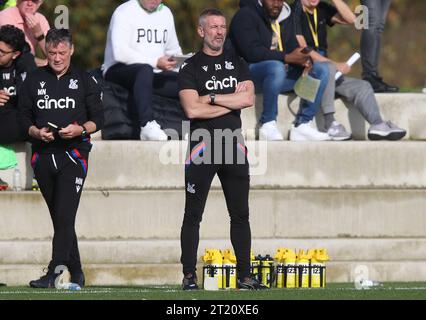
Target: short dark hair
13, 37
209, 12
55, 36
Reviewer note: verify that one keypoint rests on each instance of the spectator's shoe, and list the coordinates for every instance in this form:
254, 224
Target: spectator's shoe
269, 131
305, 132
78, 278
189, 282
378, 86
3, 185
337, 132
152, 131
45, 282
250, 283
386, 131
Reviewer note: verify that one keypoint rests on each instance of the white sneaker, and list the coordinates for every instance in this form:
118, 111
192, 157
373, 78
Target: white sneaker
152, 131
269, 131
305, 132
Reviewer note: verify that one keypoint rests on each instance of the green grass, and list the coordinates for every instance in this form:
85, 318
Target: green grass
397, 291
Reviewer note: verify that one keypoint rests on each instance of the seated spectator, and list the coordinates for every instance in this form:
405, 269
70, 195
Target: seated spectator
34, 25
260, 33
4, 4
311, 20
15, 62
371, 41
140, 45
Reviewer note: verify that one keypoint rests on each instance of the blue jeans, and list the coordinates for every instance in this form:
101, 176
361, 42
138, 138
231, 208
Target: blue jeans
272, 79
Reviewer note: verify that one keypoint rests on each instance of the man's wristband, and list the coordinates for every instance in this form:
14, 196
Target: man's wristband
40, 38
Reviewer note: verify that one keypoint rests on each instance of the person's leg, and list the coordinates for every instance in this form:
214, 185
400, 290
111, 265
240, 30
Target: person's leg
71, 174
166, 84
138, 79
382, 16
198, 178
360, 94
235, 182
370, 38
269, 78
308, 110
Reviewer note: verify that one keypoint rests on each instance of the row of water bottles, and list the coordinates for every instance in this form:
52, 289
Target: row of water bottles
286, 269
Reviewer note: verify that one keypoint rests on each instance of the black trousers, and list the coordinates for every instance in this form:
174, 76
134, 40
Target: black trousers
142, 83
10, 130
235, 180
61, 178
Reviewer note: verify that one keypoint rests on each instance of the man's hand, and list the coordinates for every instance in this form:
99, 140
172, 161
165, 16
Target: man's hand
71, 131
42, 134
166, 63
4, 98
32, 24
343, 67
297, 57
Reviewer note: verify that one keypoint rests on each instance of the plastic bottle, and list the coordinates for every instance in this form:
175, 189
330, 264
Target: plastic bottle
319, 257
279, 275
17, 185
229, 270
69, 286
289, 258
303, 269
267, 266
255, 264
213, 269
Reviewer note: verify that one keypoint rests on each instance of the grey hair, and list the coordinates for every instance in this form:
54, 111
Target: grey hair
207, 13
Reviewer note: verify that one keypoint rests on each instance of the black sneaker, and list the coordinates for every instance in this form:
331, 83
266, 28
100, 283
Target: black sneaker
251, 283
189, 282
78, 278
45, 282
378, 86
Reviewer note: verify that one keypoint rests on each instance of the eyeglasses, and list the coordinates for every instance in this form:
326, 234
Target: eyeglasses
3, 53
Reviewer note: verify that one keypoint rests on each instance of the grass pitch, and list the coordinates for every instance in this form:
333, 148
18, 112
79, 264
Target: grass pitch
334, 291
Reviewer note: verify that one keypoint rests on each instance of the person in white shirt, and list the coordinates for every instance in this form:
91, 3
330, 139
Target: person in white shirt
141, 43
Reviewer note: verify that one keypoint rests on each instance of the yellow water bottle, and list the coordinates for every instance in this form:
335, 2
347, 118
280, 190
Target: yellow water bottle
267, 266
318, 268
255, 266
279, 261
212, 269
303, 269
229, 270
289, 258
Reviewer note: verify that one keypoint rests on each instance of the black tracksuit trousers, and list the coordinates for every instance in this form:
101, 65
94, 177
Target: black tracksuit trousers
61, 178
235, 180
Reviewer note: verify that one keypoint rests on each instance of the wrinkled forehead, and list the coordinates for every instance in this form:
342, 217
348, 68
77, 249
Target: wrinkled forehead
215, 20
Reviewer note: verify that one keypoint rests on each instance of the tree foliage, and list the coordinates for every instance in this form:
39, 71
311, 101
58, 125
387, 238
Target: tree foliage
402, 51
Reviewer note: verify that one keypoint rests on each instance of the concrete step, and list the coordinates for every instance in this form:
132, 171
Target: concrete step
171, 274
134, 165
407, 110
168, 251
274, 214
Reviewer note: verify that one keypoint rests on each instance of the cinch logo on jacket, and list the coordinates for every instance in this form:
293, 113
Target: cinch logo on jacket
11, 91
214, 84
64, 103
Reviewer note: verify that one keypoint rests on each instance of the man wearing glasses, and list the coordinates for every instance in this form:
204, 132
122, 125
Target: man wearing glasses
15, 62
34, 25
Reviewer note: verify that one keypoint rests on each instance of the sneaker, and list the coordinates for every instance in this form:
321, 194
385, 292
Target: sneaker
251, 283
386, 131
45, 282
78, 278
3, 185
337, 132
153, 132
189, 282
305, 132
269, 131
